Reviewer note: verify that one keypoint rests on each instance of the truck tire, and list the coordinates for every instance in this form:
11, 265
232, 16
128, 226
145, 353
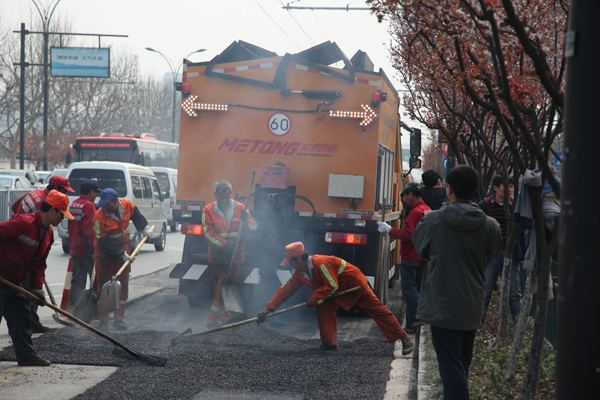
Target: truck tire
65, 246
194, 300
173, 226
161, 243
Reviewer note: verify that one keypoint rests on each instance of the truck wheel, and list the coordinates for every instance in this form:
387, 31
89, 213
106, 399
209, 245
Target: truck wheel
173, 226
162, 242
65, 246
194, 300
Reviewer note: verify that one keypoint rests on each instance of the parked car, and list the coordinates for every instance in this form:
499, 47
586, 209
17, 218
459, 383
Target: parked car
132, 182
43, 175
167, 180
14, 182
31, 175
58, 171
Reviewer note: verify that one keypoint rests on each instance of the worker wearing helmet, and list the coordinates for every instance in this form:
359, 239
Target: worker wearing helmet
327, 275
221, 221
112, 247
25, 241
30, 203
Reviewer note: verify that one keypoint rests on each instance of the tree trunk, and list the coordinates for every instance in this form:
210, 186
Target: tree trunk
517, 343
544, 262
514, 230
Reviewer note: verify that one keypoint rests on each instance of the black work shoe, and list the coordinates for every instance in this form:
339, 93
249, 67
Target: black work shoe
120, 326
410, 329
39, 328
34, 361
103, 326
407, 345
328, 347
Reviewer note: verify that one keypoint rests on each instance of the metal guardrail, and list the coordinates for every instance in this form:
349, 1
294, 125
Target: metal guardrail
7, 198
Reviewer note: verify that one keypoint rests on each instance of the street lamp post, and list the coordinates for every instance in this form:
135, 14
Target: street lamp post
46, 24
174, 72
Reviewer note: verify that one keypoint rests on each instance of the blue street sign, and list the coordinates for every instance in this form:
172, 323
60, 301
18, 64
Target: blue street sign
558, 164
445, 163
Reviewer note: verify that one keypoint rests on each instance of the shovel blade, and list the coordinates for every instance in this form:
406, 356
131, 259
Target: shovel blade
109, 296
86, 304
231, 296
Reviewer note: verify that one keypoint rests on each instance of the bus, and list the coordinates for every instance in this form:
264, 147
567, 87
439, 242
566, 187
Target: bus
140, 148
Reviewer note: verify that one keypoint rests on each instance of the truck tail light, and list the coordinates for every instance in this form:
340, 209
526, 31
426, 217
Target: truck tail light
348, 238
188, 229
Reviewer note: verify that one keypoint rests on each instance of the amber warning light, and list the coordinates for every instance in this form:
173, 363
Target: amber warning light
366, 116
191, 229
347, 238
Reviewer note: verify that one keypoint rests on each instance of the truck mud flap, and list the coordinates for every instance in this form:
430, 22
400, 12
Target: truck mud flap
195, 272
187, 271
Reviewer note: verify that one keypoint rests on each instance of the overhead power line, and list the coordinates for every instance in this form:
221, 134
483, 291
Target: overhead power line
347, 8
280, 28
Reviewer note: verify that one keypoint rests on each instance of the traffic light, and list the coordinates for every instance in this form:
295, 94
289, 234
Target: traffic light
415, 143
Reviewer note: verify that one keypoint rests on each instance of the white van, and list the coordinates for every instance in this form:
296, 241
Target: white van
132, 182
167, 180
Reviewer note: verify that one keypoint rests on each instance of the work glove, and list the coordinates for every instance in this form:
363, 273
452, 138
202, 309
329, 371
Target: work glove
126, 257
148, 232
309, 303
262, 316
245, 216
383, 227
41, 297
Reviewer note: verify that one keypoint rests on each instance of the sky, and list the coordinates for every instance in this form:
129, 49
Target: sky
179, 27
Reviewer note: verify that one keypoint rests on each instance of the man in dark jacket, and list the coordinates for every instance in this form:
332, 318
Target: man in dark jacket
493, 206
411, 265
25, 241
81, 237
458, 241
432, 181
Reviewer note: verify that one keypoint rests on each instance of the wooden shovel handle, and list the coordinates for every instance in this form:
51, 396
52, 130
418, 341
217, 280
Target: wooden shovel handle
126, 263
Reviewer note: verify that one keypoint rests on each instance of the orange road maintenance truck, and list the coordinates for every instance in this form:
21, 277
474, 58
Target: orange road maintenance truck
325, 143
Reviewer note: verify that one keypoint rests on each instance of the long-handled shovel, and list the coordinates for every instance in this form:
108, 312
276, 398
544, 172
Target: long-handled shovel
188, 332
56, 315
111, 291
154, 360
230, 292
86, 303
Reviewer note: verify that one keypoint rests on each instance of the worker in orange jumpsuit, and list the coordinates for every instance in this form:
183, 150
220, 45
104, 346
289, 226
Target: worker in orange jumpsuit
220, 222
327, 275
112, 247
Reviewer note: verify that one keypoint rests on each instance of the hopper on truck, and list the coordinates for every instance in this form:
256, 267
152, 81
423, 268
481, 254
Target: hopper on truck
323, 133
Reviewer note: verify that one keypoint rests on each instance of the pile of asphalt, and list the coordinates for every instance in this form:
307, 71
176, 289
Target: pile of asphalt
245, 359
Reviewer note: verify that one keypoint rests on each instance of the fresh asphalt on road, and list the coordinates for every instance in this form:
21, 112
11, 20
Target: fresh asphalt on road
278, 360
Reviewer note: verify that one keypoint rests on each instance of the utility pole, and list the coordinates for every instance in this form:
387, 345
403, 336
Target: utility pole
46, 24
22, 65
578, 299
